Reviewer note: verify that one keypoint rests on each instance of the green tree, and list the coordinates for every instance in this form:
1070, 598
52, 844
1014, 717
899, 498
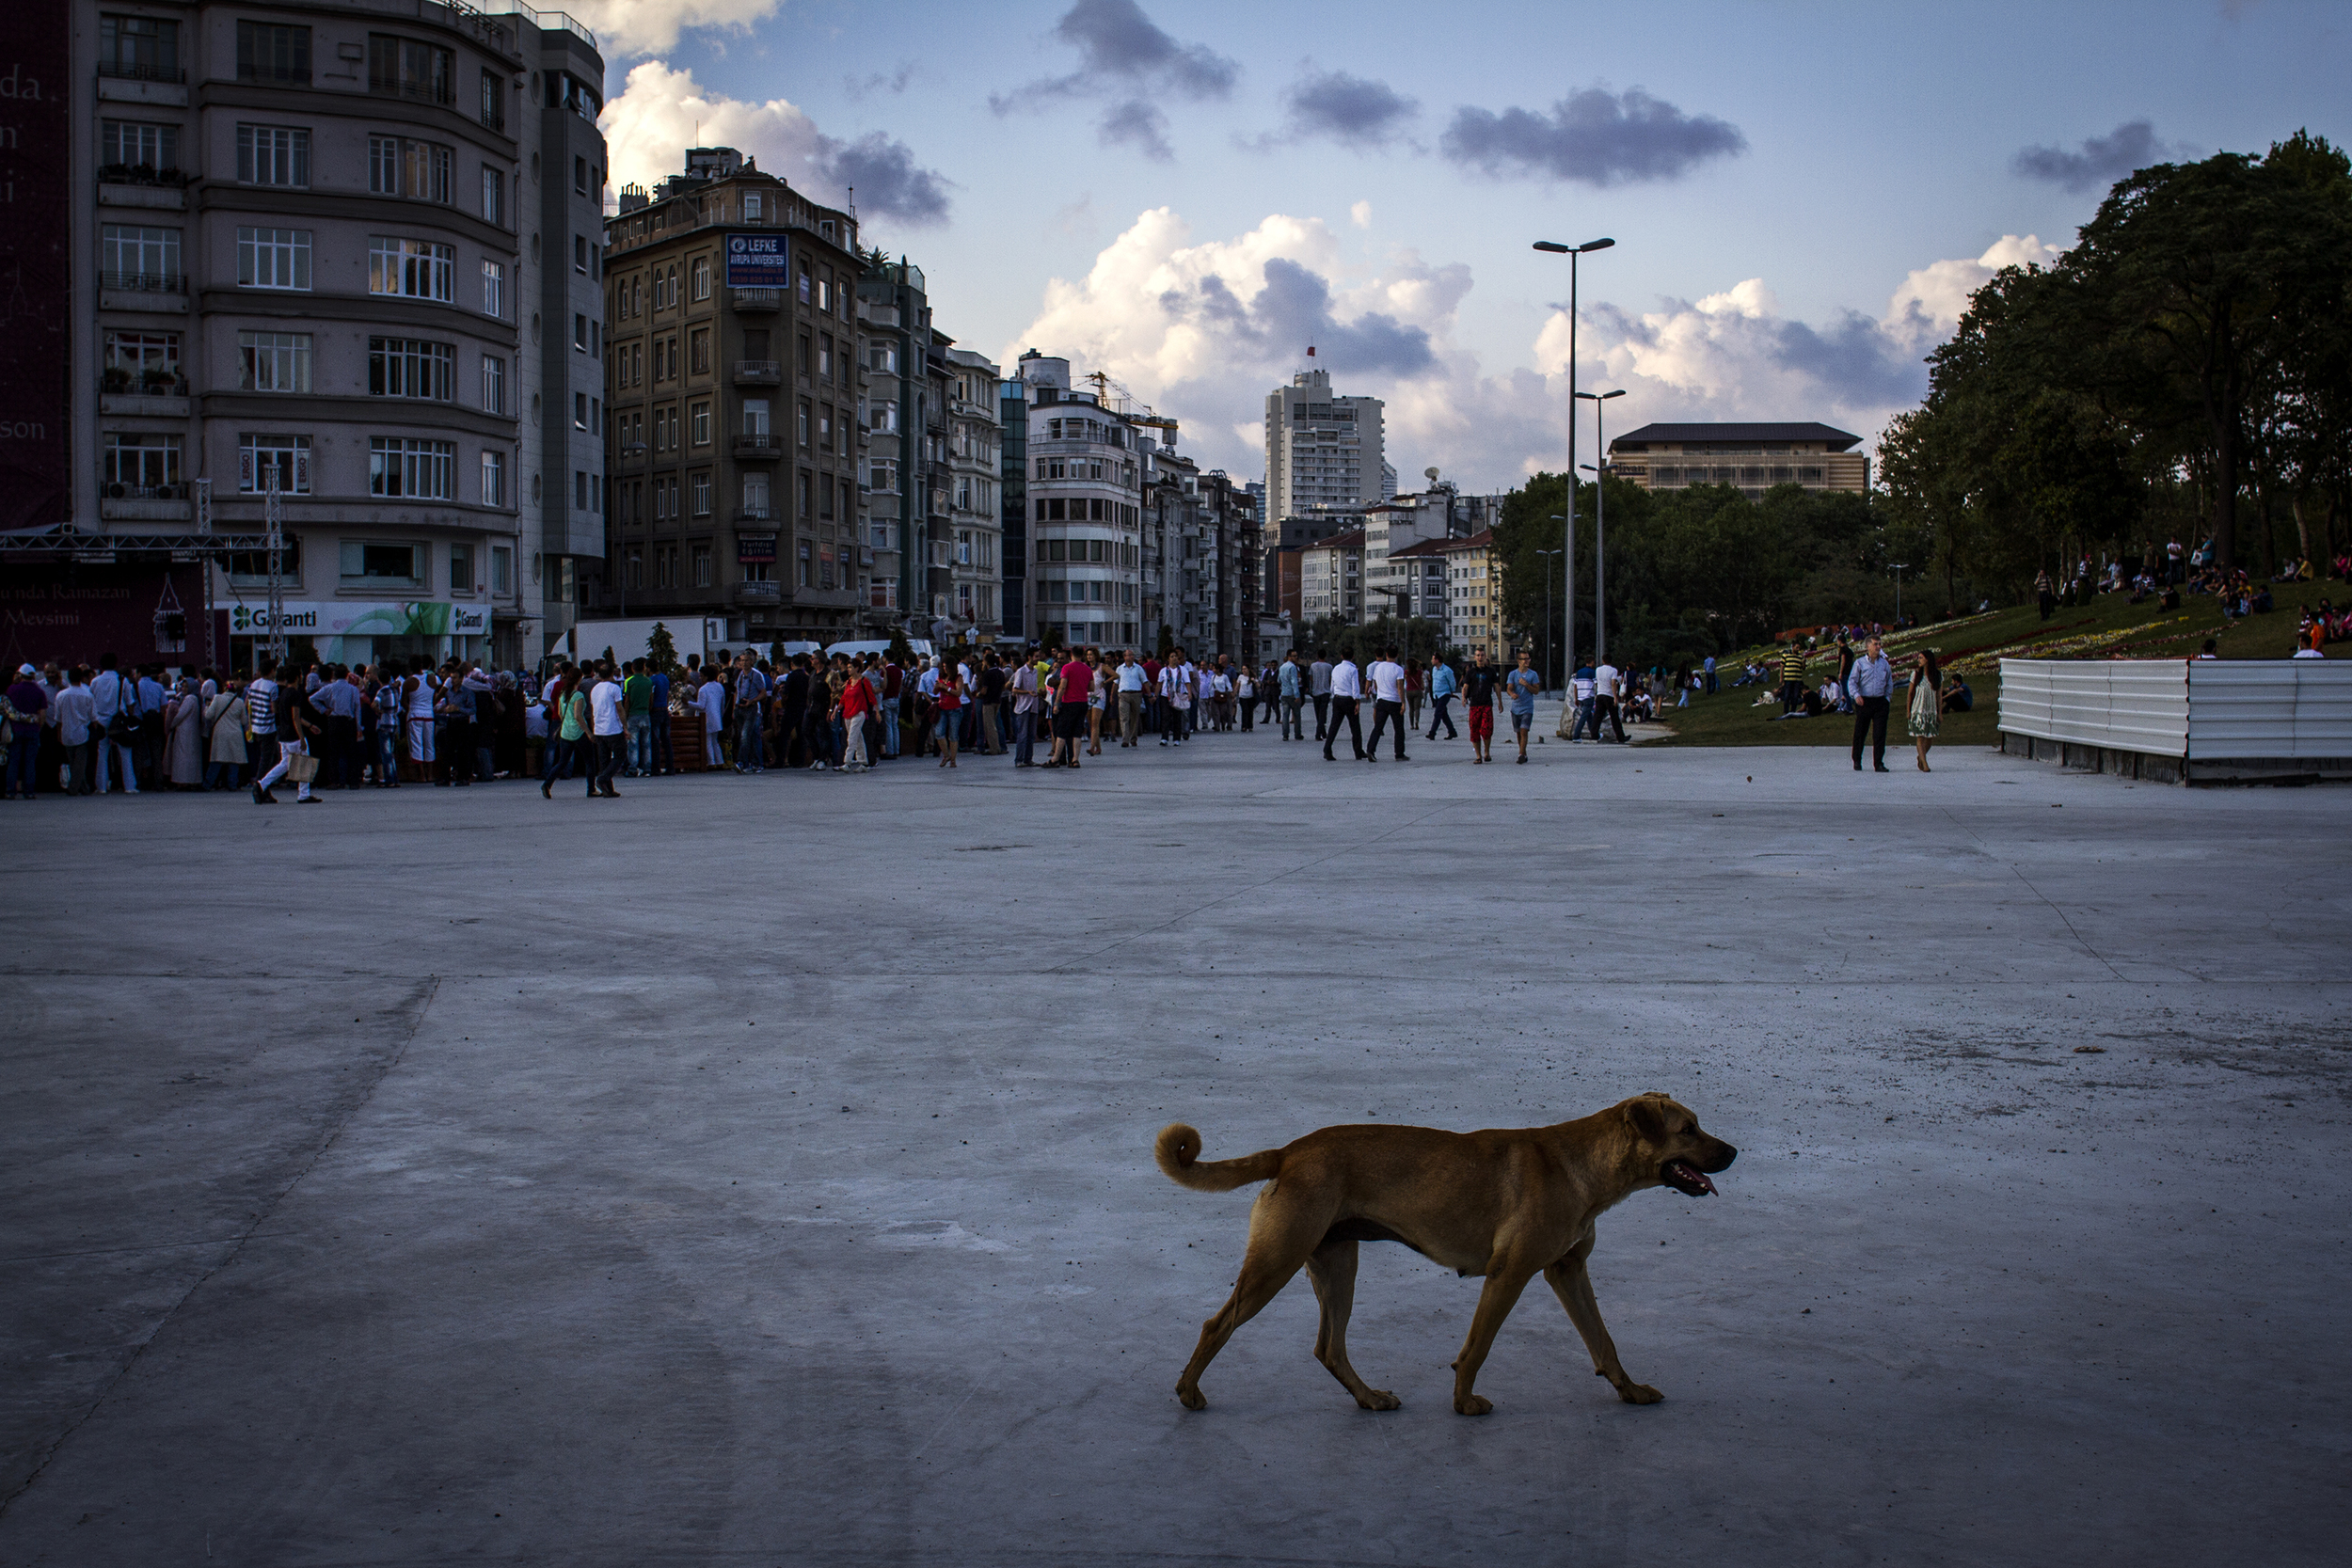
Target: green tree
662, 649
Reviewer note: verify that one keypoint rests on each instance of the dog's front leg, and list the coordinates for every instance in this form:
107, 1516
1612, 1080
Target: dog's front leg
1574, 1286
1494, 1304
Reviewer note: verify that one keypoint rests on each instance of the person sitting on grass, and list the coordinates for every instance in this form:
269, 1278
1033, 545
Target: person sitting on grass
1957, 697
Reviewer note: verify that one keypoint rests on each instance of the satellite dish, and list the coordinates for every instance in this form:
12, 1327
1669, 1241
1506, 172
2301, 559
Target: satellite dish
1431, 475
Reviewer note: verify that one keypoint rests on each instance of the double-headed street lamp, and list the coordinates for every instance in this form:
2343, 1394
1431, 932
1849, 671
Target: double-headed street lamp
1569, 523
1600, 518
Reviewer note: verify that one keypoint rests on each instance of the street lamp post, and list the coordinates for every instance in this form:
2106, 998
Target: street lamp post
1569, 523
1899, 568
1600, 514
1547, 615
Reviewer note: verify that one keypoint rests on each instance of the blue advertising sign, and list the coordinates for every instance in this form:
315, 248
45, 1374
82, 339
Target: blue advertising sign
758, 261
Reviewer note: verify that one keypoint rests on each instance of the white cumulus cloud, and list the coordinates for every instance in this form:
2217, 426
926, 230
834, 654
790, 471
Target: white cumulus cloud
662, 111
626, 28
1203, 328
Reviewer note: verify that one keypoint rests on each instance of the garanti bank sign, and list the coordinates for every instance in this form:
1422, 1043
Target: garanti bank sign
337, 619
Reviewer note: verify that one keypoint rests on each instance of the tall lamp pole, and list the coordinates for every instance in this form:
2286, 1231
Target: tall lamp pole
1899, 568
1548, 616
1569, 523
1600, 514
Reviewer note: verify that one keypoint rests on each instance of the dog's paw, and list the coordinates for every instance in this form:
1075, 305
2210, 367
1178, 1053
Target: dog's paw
1192, 1398
1379, 1398
1473, 1404
1639, 1393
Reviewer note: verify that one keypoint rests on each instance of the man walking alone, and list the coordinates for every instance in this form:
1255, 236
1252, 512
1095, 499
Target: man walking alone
1319, 691
1442, 685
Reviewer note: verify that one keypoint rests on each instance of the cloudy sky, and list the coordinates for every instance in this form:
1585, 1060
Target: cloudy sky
1187, 196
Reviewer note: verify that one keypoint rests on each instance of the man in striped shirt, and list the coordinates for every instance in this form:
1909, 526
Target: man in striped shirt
261, 708
1791, 679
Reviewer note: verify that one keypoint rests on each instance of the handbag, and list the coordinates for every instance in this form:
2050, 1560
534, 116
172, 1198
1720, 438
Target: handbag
301, 766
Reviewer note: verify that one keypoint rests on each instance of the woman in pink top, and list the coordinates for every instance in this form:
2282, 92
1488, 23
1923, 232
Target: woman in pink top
1072, 683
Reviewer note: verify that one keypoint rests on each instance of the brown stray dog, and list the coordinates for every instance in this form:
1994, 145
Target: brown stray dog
1507, 1203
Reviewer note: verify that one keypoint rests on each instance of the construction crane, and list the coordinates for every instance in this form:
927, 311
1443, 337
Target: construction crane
1114, 395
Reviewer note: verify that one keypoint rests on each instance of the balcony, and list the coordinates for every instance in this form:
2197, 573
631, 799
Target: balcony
143, 402
143, 291
757, 299
760, 446
763, 517
759, 592
758, 373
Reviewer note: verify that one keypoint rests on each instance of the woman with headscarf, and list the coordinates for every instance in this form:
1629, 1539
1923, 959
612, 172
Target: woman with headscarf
224, 717
183, 741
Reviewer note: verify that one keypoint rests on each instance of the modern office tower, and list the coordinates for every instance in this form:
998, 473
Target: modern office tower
734, 413
1321, 449
319, 248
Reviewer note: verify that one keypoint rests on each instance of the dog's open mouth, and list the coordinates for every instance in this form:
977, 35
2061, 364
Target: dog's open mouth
1685, 1178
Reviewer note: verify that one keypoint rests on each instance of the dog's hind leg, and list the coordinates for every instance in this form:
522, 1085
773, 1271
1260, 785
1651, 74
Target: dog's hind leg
1573, 1285
1331, 1269
1283, 1234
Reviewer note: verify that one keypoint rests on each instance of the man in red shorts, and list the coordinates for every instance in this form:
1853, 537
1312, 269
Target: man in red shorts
1478, 691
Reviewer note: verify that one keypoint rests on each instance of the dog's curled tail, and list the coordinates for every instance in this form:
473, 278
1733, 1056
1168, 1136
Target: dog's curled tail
1178, 1151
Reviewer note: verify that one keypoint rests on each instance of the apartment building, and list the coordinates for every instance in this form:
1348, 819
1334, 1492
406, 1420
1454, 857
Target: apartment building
734, 408
973, 469
1754, 457
1473, 587
1330, 578
306, 255
1084, 486
1321, 449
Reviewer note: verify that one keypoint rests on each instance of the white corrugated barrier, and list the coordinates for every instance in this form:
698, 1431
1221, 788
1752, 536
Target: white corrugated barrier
2235, 716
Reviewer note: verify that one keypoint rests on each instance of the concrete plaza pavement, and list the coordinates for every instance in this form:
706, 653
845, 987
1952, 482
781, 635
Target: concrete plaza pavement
757, 1170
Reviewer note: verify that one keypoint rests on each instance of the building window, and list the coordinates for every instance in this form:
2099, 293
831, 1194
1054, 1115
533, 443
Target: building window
698, 351
277, 55
274, 258
502, 569
401, 68
494, 487
406, 468
139, 465
493, 384
808, 565
398, 166
411, 367
141, 47
124, 145
274, 361
699, 424
579, 410
461, 568
580, 331
273, 155
140, 259
493, 196
579, 254
580, 490
701, 277
579, 177
285, 458
141, 357
701, 565
750, 207
367, 563
411, 269
754, 415
699, 489
882, 475
494, 290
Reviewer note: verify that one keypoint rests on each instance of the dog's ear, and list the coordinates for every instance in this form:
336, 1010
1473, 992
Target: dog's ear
1647, 1118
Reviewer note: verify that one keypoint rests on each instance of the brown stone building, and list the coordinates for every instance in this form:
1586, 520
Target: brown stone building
736, 416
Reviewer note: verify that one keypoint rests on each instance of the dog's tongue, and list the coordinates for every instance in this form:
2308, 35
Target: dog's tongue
1691, 1173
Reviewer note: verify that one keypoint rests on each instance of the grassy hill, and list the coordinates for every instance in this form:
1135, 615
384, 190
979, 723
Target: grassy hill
2108, 627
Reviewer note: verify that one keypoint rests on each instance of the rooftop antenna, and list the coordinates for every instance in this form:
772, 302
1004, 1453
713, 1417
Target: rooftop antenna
853, 204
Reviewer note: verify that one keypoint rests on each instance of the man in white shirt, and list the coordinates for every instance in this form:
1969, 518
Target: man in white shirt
1605, 683
711, 696
1176, 692
1130, 699
1203, 693
110, 693
1387, 703
1347, 690
604, 708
